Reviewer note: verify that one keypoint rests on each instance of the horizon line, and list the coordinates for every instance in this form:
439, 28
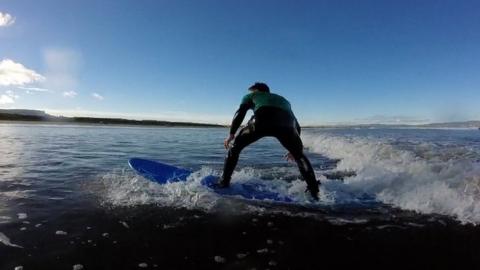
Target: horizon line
182, 117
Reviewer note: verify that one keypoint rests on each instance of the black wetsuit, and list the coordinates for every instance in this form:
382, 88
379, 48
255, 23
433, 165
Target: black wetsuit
272, 117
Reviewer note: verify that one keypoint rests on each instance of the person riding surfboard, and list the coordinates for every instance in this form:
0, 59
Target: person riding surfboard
273, 116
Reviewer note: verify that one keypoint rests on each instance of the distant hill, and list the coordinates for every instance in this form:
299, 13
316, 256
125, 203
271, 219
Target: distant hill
24, 112
24, 115
466, 124
41, 116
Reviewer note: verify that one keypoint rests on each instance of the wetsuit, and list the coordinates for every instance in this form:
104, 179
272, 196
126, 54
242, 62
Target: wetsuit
272, 117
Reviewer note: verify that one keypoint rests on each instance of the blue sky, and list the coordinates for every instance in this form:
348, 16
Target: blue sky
336, 61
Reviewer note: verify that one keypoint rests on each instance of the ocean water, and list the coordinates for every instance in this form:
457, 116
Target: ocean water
61, 182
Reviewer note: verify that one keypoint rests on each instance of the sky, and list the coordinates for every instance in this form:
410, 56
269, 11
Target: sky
336, 61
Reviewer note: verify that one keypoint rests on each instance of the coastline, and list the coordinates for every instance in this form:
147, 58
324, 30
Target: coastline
99, 122
37, 116
204, 125
97, 125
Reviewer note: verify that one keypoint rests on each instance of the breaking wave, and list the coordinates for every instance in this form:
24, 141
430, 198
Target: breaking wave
424, 177
427, 178
124, 188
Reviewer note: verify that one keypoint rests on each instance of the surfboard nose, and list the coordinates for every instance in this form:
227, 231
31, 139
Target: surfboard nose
158, 172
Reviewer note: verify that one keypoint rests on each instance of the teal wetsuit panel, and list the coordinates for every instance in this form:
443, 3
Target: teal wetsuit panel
256, 100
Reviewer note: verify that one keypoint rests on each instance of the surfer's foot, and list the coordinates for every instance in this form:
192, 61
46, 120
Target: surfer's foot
222, 183
314, 195
313, 189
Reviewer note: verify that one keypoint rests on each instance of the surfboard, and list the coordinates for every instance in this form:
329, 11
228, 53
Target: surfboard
164, 173
158, 172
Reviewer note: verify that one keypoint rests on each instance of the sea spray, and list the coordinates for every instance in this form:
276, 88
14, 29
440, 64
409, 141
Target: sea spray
443, 183
6, 241
122, 188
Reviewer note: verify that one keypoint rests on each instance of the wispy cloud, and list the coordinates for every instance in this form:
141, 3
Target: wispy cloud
8, 98
62, 66
97, 96
161, 116
34, 89
11, 94
6, 19
395, 119
5, 99
70, 94
16, 74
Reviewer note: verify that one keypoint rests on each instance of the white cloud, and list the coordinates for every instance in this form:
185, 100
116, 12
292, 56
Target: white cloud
6, 19
12, 73
70, 94
8, 98
97, 96
11, 94
5, 99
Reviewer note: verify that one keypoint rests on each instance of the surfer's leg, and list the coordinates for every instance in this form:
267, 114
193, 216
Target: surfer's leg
292, 142
245, 137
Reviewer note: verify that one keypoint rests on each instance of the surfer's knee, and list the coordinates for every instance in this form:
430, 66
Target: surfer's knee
234, 151
305, 166
298, 155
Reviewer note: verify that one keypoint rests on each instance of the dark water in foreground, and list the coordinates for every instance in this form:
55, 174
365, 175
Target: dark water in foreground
67, 197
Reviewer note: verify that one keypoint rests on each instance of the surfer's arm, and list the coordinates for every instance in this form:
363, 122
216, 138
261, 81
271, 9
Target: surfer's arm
238, 117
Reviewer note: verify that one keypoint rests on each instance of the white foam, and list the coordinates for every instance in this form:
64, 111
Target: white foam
124, 224
219, 259
6, 241
424, 179
77, 267
124, 188
241, 255
263, 250
5, 219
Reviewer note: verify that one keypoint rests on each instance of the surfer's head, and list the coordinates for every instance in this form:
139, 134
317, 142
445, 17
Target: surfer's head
259, 86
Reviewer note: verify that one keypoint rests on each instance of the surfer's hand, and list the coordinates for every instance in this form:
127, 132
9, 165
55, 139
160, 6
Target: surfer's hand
228, 140
289, 157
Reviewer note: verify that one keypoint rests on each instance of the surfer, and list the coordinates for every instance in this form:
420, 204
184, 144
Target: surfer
272, 117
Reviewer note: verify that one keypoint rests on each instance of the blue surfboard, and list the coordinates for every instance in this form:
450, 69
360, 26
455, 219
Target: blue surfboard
158, 172
163, 173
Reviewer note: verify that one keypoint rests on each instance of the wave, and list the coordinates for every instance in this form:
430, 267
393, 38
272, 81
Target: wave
427, 178
125, 188
423, 177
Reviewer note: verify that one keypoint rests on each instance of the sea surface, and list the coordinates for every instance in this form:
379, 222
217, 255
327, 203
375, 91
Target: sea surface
69, 200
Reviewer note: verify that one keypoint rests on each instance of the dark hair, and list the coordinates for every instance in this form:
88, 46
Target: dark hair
262, 87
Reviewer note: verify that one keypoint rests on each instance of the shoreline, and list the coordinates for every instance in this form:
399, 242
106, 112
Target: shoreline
38, 116
200, 125
96, 124
83, 124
